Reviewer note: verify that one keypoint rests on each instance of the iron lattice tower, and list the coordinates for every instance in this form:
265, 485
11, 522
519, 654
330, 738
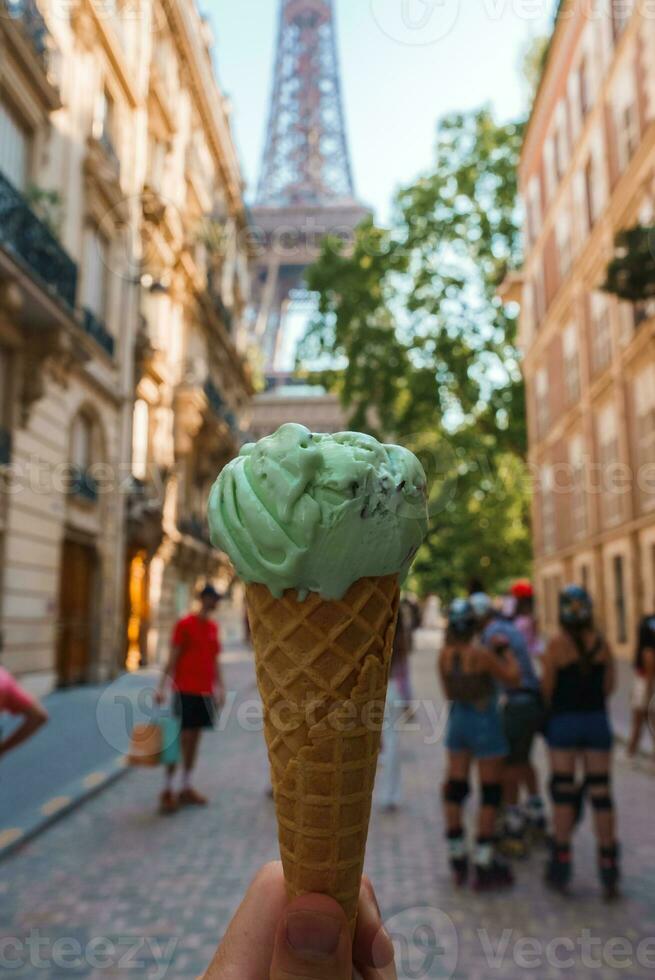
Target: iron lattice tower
306, 187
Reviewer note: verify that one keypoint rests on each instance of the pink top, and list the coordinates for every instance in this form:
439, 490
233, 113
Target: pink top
12, 696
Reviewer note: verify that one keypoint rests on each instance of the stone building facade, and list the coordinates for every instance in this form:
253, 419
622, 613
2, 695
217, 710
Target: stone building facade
123, 280
587, 172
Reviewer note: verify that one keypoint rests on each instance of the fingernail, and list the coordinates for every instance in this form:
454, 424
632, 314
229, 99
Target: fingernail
313, 934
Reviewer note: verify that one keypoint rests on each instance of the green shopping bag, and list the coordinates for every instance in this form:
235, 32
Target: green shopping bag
170, 741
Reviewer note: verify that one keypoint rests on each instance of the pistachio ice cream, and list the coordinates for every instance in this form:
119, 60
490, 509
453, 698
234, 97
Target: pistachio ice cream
316, 512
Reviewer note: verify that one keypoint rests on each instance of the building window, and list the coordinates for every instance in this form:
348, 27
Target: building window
585, 87
620, 605
14, 148
585, 577
609, 458
627, 134
140, 439
552, 589
601, 333
542, 402
564, 246
578, 488
621, 12
104, 126
96, 273
82, 442
571, 363
644, 389
548, 510
590, 192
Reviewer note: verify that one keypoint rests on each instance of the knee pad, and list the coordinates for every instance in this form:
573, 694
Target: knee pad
600, 796
563, 790
456, 791
492, 794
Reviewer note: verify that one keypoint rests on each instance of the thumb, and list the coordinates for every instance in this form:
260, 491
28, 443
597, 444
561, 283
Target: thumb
313, 941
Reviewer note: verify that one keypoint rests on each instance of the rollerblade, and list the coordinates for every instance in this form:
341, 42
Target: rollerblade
608, 869
459, 862
559, 869
535, 820
514, 842
492, 873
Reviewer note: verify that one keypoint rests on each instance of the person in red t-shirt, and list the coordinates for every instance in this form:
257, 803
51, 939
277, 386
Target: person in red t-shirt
198, 688
16, 701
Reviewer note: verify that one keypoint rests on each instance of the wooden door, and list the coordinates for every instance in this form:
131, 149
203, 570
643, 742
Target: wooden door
76, 612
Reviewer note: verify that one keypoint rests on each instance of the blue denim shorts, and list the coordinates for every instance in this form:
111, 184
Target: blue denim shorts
479, 732
580, 730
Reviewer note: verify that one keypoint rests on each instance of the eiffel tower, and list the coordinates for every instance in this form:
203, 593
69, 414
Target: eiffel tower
305, 190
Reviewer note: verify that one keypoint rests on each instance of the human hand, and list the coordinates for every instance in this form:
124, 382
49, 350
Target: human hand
219, 695
160, 696
272, 938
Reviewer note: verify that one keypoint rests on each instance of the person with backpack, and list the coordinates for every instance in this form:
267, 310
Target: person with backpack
578, 679
471, 677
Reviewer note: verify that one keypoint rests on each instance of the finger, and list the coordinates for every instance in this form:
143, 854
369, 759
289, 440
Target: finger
247, 948
373, 952
313, 941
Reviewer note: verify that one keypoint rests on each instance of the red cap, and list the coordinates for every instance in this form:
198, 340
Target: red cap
522, 589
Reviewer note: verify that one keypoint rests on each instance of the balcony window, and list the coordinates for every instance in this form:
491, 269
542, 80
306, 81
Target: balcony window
571, 363
14, 148
96, 273
609, 458
82, 484
620, 599
542, 402
621, 13
578, 488
548, 510
140, 439
601, 333
644, 396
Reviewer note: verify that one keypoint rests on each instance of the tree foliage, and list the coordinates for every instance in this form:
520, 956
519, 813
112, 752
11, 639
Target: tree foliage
412, 335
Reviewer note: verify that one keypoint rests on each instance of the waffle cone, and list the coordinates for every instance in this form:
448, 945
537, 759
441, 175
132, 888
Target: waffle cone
322, 670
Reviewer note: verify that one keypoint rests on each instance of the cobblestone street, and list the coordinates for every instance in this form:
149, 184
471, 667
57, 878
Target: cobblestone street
113, 890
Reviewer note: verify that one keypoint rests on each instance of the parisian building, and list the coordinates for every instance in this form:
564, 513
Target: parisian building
123, 284
587, 173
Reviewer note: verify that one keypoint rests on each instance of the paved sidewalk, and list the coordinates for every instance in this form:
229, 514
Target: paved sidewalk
114, 885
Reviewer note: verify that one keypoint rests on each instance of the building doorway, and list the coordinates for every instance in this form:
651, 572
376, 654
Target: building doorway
77, 612
138, 609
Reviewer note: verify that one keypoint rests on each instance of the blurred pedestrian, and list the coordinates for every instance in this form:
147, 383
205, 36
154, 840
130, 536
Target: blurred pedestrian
194, 671
523, 718
643, 691
471, 676
390, 780
525, 620
273, 938
578, 678
14, 700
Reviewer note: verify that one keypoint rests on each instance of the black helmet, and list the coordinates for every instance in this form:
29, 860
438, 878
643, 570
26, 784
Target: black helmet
461, 618
576, 608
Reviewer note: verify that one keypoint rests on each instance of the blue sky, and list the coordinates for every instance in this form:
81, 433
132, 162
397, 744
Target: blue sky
404, 64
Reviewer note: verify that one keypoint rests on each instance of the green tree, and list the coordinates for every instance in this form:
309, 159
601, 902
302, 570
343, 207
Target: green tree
411, 333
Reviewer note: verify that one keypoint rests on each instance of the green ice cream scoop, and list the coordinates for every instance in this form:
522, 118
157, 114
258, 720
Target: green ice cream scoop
314, 512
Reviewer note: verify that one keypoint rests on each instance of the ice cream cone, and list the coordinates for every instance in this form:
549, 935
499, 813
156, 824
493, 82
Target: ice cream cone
322, 670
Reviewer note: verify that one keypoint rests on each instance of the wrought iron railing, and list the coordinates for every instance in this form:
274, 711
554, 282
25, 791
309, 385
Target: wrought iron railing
5, 447
213, 396
96, 329
32, 22
82, 484
196, 527
29, 239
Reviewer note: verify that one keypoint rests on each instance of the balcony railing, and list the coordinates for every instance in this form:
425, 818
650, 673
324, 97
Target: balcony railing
27, 237
96, 329
214, 398
5, 447
29, 16
83, 485
196, 527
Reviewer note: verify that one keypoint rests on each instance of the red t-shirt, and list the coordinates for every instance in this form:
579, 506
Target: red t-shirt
198, 640
13, 698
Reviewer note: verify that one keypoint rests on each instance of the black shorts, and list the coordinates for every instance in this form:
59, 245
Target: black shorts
523, 718
195, 710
